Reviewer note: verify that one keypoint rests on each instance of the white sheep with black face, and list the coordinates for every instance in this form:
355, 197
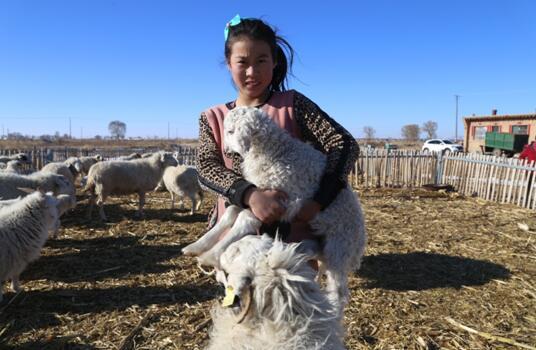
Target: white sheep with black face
24, 228
272, 159
272, 300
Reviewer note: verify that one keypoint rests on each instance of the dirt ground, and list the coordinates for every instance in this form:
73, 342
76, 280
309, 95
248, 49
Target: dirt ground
435, 263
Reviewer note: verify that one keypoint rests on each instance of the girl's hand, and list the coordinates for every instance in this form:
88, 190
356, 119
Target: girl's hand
267, 205
308, 211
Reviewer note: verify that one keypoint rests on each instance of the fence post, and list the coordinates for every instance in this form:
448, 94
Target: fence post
439, 168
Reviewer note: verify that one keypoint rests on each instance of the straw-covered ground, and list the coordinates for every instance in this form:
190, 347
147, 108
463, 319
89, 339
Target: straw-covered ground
435, 263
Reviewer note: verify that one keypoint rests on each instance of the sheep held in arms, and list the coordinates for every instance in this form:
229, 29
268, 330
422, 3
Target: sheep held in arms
272, 300
272, 159
126, 177
24, 228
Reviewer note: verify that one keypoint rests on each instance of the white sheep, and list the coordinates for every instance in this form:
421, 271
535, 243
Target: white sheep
272, 300
13, 166
11, 185
272, 159
65, 202
87, 162
70, 169
183, 181
24, 227
23, 157
131, 156
126, 177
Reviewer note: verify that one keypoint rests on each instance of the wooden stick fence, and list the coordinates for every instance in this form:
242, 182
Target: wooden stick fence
394, 168
499, 179
504, 180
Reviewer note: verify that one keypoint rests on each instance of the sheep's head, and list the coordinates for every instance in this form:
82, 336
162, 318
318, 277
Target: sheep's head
242, 126
77, 164
268, 278
167, 159
51, 214
62, 185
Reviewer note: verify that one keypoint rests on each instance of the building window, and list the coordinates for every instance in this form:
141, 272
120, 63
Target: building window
495, 128
520, 129
480, 132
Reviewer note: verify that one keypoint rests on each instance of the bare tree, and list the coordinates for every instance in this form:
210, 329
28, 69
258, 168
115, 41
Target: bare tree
430, 128
117, 129
411, 132
369, 132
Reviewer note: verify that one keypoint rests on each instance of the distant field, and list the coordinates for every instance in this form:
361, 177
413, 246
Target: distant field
163, 144
94, 143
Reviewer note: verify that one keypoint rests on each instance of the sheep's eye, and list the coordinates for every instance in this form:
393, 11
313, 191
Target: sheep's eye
230, 132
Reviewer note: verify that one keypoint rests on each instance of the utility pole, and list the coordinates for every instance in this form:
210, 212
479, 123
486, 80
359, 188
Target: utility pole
70, 136
168, 130
456, 128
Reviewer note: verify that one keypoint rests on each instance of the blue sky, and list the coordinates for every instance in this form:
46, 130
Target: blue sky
156, 63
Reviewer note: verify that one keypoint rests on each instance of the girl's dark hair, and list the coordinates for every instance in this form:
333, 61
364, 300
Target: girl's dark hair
282, 52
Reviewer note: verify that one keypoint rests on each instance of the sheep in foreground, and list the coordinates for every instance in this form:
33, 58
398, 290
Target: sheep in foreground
24, 227
13, 166
70, 169
11, 185
126, 177
64, 203
272, 301
87, 162
183, 181
273, 159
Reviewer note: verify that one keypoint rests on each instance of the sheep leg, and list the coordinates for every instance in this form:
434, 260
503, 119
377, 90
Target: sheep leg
194, 204
211, 237
172, 199
15, 284
246, 223
91, 205
337, 289
200, 201
101, 197
141, 203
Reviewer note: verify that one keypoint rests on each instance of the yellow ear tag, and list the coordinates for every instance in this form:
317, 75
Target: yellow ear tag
229, 297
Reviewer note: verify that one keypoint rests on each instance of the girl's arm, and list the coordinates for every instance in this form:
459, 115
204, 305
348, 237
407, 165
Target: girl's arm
213, 175
331, 138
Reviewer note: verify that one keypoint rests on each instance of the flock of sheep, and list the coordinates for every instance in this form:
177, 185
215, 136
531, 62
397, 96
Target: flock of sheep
31, 204
274, 298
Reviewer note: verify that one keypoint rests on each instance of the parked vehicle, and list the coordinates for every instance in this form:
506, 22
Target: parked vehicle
504, 143
441, 146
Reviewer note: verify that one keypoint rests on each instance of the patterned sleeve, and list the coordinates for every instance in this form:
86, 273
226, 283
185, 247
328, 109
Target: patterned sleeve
213, 175
326, 135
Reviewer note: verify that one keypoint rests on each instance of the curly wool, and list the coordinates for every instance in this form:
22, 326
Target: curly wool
289, 310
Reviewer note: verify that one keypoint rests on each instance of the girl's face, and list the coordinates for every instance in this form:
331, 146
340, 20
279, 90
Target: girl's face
251, 65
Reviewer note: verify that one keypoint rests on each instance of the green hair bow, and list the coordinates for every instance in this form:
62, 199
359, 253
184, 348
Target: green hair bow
234, 21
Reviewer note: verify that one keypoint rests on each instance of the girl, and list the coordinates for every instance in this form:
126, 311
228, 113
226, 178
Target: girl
256, 58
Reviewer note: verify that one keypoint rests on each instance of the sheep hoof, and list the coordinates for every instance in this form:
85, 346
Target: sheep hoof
208, 259
190, 250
